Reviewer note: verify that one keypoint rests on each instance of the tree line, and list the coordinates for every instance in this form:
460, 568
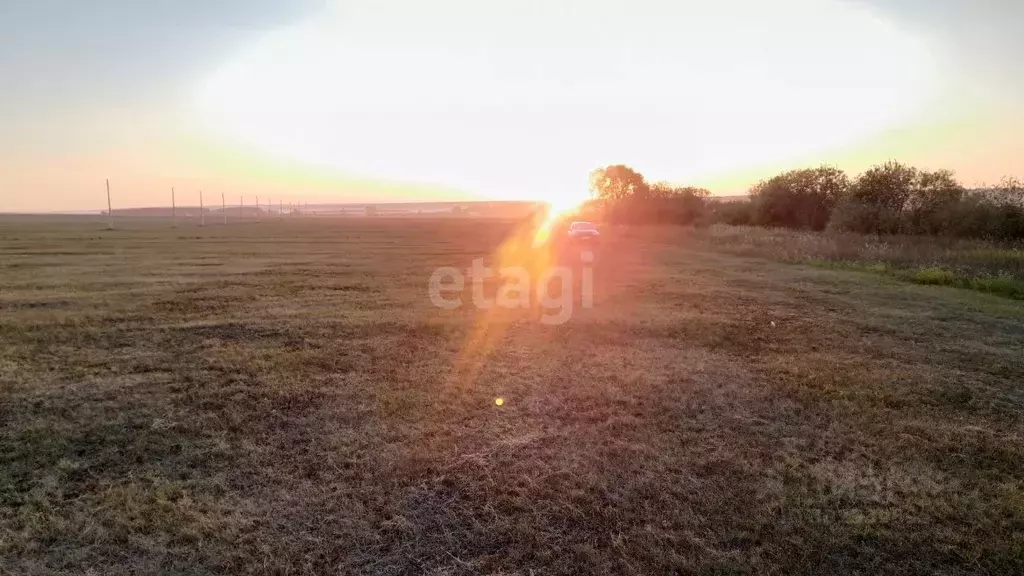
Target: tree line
890, 198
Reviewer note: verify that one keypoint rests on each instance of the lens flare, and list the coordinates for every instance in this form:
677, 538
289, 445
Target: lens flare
558, 209
519, 249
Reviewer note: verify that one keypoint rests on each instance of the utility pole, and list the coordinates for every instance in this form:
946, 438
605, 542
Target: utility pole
110, 211
280, 208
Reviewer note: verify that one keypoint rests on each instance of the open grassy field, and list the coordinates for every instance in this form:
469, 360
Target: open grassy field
283, 398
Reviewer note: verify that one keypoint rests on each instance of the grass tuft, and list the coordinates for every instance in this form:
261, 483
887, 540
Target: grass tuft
934, 276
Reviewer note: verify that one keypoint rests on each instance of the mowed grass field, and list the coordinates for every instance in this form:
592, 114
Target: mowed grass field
283, 398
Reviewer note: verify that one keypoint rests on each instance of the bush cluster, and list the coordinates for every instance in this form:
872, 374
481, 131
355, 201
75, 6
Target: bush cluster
627, 198
890, 198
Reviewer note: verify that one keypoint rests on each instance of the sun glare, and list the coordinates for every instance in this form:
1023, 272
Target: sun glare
557, 209
407, 91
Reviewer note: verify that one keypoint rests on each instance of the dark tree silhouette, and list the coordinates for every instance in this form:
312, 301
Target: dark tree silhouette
801, 199
618, 182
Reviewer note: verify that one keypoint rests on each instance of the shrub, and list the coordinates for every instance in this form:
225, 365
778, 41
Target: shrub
733, 213
801, 199
680, 209
875, 202
888, 199
897, 199
934, 204
628, 199
855, 216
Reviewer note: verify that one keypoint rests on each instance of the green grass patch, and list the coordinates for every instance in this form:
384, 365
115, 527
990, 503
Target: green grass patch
934, 276
1002, 285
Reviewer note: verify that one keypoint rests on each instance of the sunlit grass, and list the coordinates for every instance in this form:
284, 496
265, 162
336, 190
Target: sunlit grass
283, 398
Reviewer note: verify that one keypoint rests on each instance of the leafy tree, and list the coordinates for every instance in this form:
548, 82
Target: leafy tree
896, 198
876, 200
628, 198
995, 213
888, 186
618, 182
1009, 191
934, 204
801, 199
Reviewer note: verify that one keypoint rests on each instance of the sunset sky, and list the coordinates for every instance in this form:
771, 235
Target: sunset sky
396, 100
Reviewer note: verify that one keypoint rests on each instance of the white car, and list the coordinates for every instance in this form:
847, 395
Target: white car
583, 232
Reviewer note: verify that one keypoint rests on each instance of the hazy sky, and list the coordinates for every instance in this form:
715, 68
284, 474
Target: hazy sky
412, 99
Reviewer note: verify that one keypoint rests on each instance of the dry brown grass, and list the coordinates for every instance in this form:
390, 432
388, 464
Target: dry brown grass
283, 398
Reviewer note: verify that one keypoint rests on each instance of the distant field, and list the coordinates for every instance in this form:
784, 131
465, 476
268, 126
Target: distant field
283, 398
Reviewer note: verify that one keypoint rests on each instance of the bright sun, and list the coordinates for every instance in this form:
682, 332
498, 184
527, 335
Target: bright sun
557, 210
523, 100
